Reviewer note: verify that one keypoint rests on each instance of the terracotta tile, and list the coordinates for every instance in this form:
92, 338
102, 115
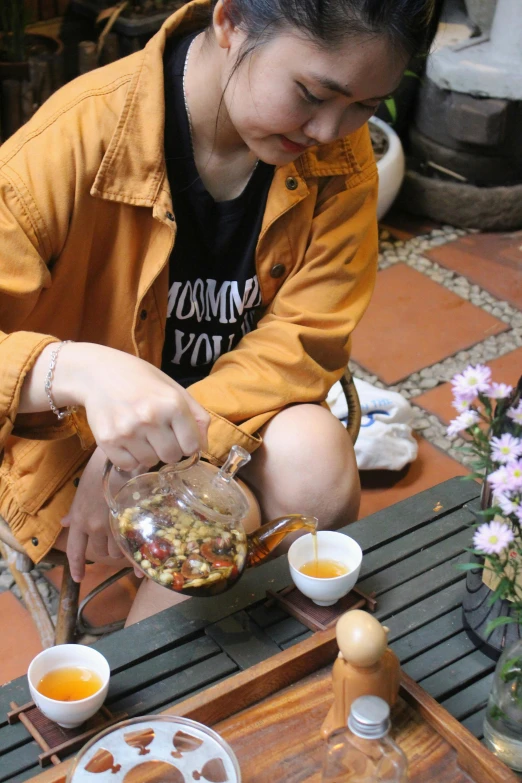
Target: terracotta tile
493, 261
19, 641
111, 604
413, 322
383, 488
402, 225
505, 369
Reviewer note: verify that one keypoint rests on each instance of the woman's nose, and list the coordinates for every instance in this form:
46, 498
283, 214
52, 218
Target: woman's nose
327, 126
322, 132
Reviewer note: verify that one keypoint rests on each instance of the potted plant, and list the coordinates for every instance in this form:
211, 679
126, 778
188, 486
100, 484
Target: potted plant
30, 67
389, 155
133, 21
491, 416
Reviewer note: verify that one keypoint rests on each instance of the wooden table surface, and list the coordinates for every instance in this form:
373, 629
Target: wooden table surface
410, 553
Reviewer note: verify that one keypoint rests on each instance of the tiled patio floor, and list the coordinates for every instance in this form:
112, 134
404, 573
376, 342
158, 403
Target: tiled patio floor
443, 299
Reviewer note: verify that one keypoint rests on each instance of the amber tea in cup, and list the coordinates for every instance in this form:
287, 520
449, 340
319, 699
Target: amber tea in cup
323, 569
69, 683
326, 566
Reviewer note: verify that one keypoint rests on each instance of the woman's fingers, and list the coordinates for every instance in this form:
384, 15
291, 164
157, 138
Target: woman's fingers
76, 549
121, 458
166, 447
90, 536
202, 419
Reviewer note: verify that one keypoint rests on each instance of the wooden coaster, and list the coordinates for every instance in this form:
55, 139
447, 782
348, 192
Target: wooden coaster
54, 739
319, 618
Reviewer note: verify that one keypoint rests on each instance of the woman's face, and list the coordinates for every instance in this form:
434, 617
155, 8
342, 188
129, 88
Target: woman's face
289, 94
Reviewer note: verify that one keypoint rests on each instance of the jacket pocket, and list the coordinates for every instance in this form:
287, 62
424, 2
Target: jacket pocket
35, 470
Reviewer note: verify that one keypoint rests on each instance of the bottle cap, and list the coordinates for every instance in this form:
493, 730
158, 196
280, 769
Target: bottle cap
369, 717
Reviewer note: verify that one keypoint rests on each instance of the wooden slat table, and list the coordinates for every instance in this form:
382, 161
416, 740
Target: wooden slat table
410, 553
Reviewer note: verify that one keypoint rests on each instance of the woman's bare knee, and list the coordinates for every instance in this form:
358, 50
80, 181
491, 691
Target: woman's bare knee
306, 464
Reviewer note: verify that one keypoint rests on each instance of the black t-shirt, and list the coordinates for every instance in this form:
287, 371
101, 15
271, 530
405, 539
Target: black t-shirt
213, 286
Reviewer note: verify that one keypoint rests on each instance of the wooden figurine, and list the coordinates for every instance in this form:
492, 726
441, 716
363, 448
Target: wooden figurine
365, 666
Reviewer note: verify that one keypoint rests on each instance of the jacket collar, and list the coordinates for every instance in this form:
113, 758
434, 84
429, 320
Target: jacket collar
133, 167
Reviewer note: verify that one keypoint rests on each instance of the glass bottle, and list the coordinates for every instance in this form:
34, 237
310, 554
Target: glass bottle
363, 752
503, 721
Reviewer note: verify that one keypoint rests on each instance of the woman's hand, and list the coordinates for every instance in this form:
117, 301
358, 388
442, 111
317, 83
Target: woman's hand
90, 536
137, 414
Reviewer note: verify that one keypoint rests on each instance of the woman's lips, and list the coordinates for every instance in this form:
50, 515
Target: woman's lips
291, 146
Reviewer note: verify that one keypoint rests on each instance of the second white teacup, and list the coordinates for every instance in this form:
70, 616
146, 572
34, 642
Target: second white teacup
331, 545
68, 713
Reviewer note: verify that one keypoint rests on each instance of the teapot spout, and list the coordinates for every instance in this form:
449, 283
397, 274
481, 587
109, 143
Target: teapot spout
266, 538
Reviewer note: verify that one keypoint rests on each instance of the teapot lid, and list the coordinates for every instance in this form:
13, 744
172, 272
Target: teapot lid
216, 493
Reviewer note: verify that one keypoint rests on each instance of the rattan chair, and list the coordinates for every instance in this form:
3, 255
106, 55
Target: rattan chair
70, 619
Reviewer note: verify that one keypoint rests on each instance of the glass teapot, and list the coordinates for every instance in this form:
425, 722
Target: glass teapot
181, 526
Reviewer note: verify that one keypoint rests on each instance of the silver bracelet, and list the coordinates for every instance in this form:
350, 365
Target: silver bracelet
49, 382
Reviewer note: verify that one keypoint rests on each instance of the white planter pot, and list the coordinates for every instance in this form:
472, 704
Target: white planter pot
481, 13
391, 168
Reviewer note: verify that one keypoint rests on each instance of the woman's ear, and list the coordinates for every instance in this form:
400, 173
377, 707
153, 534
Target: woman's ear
223, 25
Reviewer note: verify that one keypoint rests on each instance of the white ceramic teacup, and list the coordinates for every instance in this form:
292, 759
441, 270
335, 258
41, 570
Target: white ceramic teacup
331, 545
68, 713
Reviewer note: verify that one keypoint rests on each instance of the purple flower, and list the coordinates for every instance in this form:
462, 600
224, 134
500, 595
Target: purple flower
492, 537
499, 391
516, 413
518, 512
461, 404
500, 480
508, 503
514, 470
462, 422
472, 381
506, 448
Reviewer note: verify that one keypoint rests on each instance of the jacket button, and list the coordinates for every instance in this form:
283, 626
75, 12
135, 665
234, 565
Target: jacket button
34, 541
143, 315
277, 270
76, 481
291, 183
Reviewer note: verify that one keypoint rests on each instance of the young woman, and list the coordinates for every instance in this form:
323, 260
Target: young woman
188, 238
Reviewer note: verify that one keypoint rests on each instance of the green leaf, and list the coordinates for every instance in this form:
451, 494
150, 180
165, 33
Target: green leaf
468, 566
503, 585
495, 713
413, 75
499, 621
511, 670
392, 109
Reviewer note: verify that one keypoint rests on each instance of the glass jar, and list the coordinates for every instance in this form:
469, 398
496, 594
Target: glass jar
364, 752
503, 721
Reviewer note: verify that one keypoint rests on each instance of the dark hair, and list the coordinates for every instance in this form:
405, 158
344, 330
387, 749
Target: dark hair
407, 23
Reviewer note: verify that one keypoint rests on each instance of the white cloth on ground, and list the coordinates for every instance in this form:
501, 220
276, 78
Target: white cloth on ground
385, 438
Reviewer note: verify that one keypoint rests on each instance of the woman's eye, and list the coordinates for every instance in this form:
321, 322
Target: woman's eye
307, 95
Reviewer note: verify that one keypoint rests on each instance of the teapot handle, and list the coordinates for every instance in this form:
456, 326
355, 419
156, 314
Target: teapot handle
184, 464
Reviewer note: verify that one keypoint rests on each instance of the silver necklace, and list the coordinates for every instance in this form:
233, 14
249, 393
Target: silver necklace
186, 102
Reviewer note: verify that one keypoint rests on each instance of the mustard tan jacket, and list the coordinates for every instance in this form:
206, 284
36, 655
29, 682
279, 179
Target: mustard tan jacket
86, 232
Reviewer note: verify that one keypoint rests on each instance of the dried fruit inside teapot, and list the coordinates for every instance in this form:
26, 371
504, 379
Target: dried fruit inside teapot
181, 549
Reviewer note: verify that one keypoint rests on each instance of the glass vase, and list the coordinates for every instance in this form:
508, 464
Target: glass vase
503, 721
